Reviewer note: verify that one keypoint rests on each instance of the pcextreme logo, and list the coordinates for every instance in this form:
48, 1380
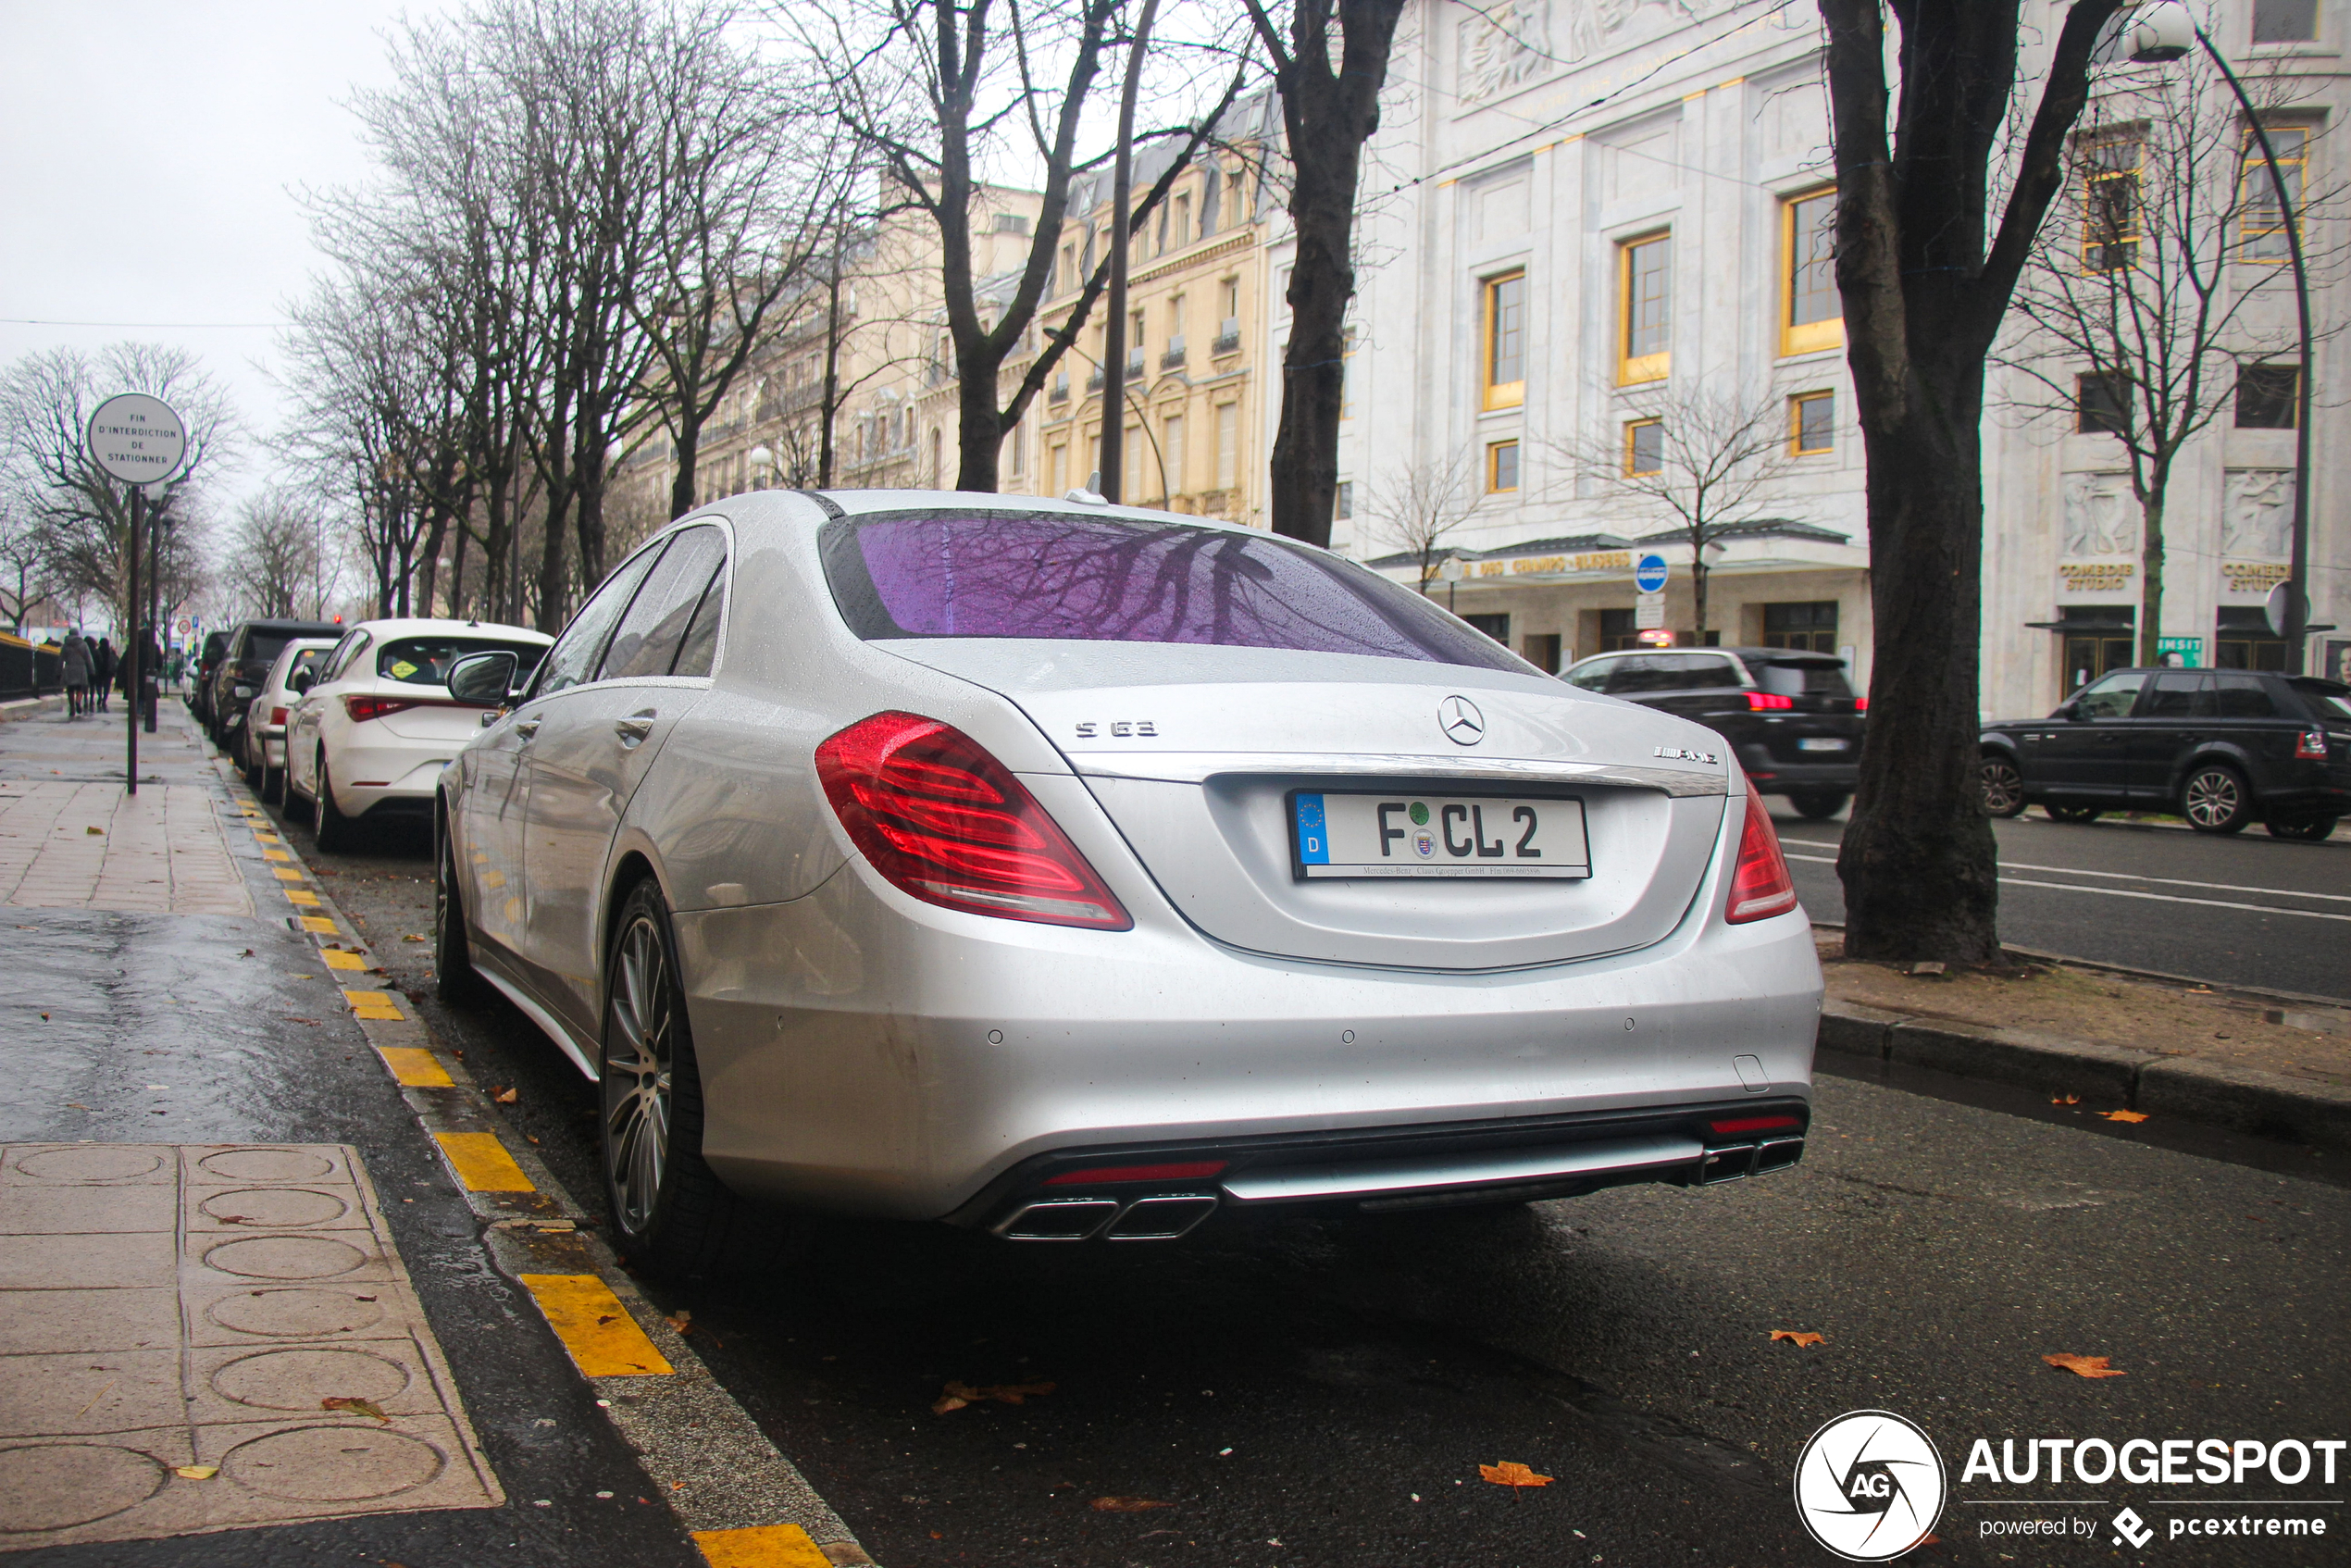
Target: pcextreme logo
1869, 1486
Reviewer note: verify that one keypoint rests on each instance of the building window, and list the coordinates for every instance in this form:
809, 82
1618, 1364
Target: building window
1139, 468
1501, 467
2110, 216
1016, 445
2285, 21
1814, 317
1618, 631
1228, 455
1646, 292
1171, 453
1644, 446
2243, 640
1541, 649
2266, 399
1506, 341
1810, 626
1496, 627
1811, 423
2099, 405
1344, 508
1183, 221
2260, 222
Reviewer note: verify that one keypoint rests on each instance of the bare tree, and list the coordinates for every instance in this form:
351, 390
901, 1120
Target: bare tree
1330, 108
1698, 460
2141, 311
1925, 289
279, 554
23, 562
1417, 507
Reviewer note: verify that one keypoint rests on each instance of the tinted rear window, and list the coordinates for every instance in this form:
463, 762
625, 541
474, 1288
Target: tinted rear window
2327, 699
1789, 678
1108, 579
264, 646
425, 661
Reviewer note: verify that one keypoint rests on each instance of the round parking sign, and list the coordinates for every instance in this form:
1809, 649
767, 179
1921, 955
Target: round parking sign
137, 439
1648, 573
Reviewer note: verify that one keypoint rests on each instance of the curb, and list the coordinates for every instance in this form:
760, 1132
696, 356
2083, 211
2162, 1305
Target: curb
23, 708
2216, 1094
736, 1495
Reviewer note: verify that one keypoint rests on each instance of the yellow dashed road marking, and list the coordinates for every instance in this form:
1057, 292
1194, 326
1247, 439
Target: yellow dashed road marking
275, 854
415, 1066
338, 959
305, 897
286, 873
605, 1341
764, 1545
378, 1005
317, 923
482, 1162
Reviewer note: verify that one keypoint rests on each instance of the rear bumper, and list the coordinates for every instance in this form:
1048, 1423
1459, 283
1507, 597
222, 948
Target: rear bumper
394, 779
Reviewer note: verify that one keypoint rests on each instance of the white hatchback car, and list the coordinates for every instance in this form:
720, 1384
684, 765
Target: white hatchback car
374, 729
260, 744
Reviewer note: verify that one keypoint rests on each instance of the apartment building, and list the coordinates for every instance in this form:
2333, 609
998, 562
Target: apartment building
1592, 229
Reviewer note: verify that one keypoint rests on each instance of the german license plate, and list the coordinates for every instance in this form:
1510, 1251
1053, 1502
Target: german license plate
1816, 743
1408, 835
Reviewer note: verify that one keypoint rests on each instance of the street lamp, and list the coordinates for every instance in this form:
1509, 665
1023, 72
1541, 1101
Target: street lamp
763, 461
2157, 34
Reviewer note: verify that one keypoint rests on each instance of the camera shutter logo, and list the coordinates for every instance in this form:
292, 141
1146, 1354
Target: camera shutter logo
1870, 1485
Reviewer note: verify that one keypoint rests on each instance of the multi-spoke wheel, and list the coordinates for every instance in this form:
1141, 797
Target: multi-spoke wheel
2003, 787
2215, 800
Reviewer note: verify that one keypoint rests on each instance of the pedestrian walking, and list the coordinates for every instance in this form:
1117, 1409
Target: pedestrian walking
102, 671
76, 656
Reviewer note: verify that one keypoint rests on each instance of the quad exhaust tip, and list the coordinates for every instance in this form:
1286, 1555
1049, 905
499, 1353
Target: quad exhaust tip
1160, 1217
1741, 1160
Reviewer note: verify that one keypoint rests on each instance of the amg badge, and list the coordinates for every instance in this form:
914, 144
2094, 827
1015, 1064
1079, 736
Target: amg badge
1683, 753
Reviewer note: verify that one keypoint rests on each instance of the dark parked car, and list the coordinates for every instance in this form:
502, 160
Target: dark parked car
1789, 717
254, 646
2223, 748
216, 647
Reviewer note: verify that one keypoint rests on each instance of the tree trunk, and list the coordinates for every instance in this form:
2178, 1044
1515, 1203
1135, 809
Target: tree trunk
831, 406
980, 444
2151, 573
681, 488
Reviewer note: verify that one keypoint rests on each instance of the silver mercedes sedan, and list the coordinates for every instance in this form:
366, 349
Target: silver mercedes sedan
1073, 871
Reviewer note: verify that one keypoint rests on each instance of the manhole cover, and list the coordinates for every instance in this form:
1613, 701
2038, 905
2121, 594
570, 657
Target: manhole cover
286, 1257
332, 1463
91, 1164
299, 1379
275, 1207
54, 1485
297, 1313
268, 1164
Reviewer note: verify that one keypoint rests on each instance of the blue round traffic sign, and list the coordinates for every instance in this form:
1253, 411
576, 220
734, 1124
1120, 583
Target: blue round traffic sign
1648, 573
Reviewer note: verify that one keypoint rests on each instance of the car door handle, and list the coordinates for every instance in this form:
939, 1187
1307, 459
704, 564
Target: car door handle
635, 728
527, 727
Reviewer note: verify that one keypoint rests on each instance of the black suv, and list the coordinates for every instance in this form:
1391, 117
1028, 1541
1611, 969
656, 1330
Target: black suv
216, 644
254, 646
1790, 718
2223, 748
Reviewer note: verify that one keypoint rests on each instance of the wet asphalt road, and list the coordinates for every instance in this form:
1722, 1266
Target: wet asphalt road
2246, 910
1322, 1392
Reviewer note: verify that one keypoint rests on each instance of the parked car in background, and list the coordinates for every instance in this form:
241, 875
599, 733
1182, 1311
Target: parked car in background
252, 648
1790, 718
260, 744
208, 657
1067, 871
372, 731
2221, 748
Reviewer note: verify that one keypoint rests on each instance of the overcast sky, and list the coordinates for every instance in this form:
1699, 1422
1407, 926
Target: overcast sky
150, 160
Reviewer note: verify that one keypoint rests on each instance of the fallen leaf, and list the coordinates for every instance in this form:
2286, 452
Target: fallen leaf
291, 1019
354, 1404
2124, 1115
2085, 1367
2065, 1100
955, 1395
197, 1472
507, 1096
1510, 1473
99, 831
411, 937
1125, 1505
1797, 1336
682, 1321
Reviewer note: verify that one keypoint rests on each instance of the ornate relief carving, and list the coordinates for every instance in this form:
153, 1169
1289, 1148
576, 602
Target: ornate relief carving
1501, 48
2256, 515
2101, 517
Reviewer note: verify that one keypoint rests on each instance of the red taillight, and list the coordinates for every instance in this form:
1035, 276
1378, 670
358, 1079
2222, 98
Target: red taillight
278, 717
362, 708
1760, 887
948, 823
1752, 1124
1767, 702
1189, 1170
1860, 704
2311, 743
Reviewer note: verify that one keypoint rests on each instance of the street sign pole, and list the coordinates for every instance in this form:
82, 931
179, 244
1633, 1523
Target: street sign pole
130, 660
137, 440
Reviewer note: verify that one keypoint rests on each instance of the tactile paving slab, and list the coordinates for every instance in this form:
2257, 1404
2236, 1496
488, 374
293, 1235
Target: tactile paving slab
179, 1328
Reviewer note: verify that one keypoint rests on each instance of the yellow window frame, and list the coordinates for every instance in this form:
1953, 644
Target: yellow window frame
1632, 368
1631, 426
2255, 189
1502, 394
2095, 174
1796, 424
1805, 337
1494, 450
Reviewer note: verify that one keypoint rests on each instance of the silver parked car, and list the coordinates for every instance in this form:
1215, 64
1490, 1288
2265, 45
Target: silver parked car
1073, 871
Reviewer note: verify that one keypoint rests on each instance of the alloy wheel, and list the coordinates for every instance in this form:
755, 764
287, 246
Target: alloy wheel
2214, 800
640, 1061
2003, 788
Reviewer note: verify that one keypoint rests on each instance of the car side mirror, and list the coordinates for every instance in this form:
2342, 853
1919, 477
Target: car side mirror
302, 680
483, 677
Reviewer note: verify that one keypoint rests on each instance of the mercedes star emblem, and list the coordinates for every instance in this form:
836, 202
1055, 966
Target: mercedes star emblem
1463, 724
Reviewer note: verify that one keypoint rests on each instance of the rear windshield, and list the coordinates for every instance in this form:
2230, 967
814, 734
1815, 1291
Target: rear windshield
262, 647
2328, 699
1789, 678
425, 661
1109, 580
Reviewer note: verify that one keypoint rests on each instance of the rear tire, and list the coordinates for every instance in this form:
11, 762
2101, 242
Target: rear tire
1817, 804
334, 830
2215, 800
2309, 831
454, 975
2003, 787
273, 787
2071, 813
